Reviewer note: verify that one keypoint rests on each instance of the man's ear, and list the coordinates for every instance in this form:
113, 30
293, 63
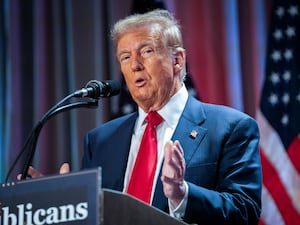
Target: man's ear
178, 60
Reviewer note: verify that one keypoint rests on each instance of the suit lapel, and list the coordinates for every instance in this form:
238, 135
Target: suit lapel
190, 134
188, 131
122, 142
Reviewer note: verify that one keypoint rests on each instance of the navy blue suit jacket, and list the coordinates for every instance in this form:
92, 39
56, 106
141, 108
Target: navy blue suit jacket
223, 167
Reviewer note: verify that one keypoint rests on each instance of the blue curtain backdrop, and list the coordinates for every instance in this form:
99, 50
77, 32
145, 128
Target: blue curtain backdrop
50, 48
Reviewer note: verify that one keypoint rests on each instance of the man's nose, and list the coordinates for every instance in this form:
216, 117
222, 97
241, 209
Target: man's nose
136, 63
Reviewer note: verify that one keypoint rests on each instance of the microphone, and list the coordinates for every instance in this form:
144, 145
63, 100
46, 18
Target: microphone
94, 89
99, 89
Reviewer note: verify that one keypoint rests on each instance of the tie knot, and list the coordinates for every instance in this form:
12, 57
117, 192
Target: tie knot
153, 118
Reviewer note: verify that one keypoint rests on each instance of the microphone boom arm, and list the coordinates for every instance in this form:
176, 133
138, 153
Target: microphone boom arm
94, 90
41, 123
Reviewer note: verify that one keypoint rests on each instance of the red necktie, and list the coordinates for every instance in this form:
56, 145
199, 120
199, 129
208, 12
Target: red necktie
141, 181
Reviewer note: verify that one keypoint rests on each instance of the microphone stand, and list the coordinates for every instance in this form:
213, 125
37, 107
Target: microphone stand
32, 139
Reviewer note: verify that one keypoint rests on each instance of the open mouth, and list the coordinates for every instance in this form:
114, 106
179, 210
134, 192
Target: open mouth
140, 82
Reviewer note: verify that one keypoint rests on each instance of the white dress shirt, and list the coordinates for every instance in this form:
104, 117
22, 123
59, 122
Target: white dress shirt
171, 113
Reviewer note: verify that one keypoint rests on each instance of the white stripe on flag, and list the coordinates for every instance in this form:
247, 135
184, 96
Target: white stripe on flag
270, 213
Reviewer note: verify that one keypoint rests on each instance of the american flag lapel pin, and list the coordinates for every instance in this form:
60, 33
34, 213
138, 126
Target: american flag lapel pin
193, 134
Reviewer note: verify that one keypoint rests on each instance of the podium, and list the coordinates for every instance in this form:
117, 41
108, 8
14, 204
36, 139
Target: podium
74, 198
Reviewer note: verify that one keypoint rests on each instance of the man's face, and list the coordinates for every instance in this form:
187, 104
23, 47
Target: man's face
148, 69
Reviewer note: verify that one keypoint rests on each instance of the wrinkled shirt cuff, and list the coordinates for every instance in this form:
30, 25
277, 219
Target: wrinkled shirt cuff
179, 211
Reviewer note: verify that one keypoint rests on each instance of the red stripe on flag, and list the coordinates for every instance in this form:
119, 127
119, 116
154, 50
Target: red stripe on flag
294, 153
261, 222
274, 185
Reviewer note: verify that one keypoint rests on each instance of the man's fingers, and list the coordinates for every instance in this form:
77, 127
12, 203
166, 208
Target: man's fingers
177, 159
174, 163
171, 180
168, 151
19, 177
178, 145
173, 172
34, 173
65, 168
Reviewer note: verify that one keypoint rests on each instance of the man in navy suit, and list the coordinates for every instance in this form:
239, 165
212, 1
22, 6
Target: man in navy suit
208, 166
208, 169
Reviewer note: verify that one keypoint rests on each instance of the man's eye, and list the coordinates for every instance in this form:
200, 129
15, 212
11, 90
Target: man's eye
147, 52
124, 58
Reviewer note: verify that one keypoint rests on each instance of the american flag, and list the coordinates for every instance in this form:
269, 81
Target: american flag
279, 118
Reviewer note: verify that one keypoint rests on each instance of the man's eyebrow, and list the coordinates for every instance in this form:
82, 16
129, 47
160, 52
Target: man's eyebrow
139, 47
119, 53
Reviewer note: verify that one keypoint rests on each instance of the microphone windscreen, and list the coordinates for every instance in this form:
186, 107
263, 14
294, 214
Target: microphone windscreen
115, 87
